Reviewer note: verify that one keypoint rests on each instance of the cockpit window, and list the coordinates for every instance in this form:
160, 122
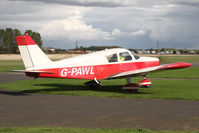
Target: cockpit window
112, 58
125, 56
135, 55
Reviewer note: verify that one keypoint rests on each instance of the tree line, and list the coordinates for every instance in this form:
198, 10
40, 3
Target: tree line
8, 43
95, 48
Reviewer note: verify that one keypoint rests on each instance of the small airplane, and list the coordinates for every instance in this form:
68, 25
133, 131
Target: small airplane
105, 64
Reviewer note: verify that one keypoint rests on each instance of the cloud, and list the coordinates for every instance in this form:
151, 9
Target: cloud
72, 29
186, 2
174, 23
88, 3
138, 33
63, 23
117, 32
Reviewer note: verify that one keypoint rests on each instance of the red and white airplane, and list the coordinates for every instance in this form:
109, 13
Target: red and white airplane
106, 64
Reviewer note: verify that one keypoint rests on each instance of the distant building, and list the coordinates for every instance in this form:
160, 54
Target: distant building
143, 52
70, 51
49, 49
191, 52
153, 52
77, 51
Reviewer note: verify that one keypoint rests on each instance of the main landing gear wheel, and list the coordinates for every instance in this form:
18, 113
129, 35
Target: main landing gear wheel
131, 87
93, 84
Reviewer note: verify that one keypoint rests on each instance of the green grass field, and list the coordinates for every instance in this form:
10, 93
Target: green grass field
7, 65
83, 130
186, 73
181, 58
161, 89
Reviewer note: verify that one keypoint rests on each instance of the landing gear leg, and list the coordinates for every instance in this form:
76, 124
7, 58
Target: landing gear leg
131, 87
93, 83
128, 80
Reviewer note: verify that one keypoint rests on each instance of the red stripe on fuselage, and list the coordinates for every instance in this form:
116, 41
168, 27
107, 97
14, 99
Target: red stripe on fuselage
98, 71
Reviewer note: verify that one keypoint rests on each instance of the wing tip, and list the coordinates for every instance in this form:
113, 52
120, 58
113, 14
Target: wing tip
176, 65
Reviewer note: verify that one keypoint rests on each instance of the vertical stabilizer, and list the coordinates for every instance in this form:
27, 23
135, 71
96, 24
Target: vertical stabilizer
31, 54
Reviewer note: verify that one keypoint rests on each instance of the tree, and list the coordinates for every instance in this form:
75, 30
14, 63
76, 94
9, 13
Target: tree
8, 40
8, 43
2, 45
197, 51
16, 33
174, 51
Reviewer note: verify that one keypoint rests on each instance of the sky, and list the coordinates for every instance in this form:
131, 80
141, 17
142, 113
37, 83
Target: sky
135, 24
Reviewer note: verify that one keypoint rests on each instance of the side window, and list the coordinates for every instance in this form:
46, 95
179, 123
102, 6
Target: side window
112, 58
125, 56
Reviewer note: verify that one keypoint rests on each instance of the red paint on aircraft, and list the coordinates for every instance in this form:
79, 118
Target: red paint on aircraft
24, 40
176, 65
91, 72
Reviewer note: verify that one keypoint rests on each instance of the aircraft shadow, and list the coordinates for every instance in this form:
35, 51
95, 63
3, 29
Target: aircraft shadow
65, 87
13, 93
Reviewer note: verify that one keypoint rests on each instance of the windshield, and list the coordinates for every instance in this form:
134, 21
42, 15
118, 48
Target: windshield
125, 56
135, 55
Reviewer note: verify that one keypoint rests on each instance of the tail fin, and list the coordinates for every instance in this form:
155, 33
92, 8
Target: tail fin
31, 54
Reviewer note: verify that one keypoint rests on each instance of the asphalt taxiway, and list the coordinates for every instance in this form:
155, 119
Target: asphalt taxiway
28, 109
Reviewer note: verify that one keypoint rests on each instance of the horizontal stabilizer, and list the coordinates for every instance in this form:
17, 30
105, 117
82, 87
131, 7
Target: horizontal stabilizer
32, 71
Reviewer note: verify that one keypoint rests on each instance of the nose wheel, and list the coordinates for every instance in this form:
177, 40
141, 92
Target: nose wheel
145, 83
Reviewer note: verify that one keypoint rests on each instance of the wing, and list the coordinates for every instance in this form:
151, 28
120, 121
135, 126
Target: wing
144, 71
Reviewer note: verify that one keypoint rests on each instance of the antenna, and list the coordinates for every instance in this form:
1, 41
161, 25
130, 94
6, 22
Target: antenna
157, 44
158, 47
76, 45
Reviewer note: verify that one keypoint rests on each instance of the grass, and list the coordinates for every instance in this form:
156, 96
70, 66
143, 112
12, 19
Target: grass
181, 58
82, 130
161, 89
7, 65
186, 73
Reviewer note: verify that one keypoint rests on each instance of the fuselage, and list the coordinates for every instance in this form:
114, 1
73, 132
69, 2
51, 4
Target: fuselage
99, 65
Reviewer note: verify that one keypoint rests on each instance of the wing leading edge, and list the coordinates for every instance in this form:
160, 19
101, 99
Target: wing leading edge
139, 72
